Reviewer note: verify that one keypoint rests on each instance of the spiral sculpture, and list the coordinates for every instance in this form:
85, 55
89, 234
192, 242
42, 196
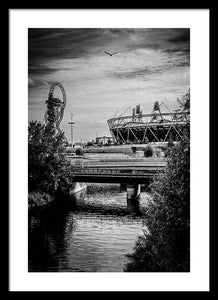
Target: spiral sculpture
55, 109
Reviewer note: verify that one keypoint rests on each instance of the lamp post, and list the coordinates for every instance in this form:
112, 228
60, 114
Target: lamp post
71, 129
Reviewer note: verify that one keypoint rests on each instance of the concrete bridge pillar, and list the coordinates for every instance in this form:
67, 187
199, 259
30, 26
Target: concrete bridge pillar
77, 187
133, 193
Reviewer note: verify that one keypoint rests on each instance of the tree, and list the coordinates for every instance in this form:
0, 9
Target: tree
148, 151
48, 169
165, 245
79, 151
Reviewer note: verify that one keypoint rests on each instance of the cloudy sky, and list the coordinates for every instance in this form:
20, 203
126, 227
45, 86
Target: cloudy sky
151, 65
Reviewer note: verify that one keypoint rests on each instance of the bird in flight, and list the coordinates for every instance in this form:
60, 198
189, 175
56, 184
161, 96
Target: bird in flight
110, 53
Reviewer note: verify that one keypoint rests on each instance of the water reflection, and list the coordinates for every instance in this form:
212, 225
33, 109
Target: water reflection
47, 237
91, 232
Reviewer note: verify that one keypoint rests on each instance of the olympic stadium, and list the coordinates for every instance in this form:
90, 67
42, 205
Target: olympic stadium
161, 125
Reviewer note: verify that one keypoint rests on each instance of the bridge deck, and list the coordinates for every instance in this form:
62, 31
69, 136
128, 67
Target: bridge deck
118, 170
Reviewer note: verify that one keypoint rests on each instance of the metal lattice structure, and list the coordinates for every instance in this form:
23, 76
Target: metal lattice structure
55, 109
157, 126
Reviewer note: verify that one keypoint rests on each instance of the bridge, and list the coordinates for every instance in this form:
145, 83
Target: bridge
130, 172
126, 171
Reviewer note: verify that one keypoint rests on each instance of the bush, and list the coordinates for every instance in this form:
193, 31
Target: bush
165, 246
36, 199
79, 151
148, 152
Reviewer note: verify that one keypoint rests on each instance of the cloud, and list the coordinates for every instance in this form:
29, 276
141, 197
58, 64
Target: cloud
45, 44
181, 36
35, 83
42, 69
49, 44
150, 64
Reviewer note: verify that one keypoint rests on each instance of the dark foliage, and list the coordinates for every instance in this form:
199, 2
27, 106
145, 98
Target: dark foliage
48, 169
148, 152
37, 199
79, 151
165, 246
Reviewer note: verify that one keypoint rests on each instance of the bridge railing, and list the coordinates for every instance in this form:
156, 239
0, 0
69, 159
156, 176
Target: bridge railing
126, 162
135, 172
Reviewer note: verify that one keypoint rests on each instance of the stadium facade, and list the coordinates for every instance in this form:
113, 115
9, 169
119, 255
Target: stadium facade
157, 126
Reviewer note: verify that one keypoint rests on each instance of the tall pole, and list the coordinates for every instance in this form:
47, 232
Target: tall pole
71, 129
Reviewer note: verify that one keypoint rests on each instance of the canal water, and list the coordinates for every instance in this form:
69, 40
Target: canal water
90, 232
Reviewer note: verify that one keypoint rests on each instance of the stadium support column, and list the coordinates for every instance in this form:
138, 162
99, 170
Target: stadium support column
133, 193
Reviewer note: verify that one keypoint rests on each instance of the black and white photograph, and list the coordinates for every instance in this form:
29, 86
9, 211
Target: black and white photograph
108, 150
108, 144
